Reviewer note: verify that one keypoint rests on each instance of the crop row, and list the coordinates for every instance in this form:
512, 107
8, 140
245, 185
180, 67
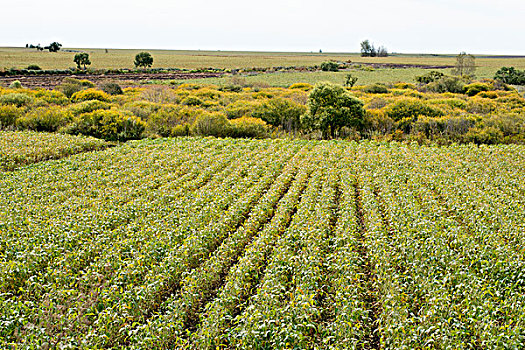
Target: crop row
205, 244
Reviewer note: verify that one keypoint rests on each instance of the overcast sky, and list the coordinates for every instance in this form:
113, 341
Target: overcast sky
409, 26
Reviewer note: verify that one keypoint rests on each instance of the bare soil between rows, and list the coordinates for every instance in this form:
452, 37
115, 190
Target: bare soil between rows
51, 81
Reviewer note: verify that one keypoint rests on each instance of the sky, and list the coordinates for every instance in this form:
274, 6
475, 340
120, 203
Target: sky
403, 26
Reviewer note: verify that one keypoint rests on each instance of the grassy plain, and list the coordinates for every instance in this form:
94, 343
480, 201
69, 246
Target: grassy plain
123, 58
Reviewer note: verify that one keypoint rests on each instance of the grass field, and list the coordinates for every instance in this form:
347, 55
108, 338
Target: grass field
285, 79
120, 58
205, 243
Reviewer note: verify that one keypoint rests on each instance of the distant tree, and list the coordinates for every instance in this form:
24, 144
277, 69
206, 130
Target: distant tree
143, 59
27, 46
367, 49
54, 47
82, 59
465, 65
382, 52
331, 107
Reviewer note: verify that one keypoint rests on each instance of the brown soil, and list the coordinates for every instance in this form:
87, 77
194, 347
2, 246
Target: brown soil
50, 81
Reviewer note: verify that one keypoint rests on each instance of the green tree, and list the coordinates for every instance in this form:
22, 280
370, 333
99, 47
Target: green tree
54, 47
82, 59
143, 59
367, 49
465, 65
331, 107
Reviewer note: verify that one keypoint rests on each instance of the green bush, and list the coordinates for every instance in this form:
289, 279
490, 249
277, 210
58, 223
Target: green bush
484, 135
248, 127
211, 124
475, 88
192, 101
447, 84
329, 66
180, 130
9, 115
241, 108
88, 107
33, 67
281, 112
90, 94
410, 109
70, 86
16, 85
510, 75
301, 86
53, 97
109, 125
143, 59
16, 99
431, 77
376, 88
112, 89
45, 119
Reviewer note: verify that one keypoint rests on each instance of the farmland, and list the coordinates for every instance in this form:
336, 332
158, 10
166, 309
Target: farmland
122, 58
255, 244
23, 148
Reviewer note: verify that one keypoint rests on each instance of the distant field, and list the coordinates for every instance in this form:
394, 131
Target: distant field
285, 79
119, 58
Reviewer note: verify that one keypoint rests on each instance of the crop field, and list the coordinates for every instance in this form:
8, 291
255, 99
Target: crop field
206, 243
18, 148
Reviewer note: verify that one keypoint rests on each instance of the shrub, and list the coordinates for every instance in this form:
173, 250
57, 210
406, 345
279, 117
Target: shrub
192, 101
302, 86
447, 84
112, 89
142, 109
377, 121
404, 86
180, 130
16, 99
33, 67
53, 96
90, 94
231, 88
376, 89
510, 75
16, 85
431, 77
109, 125
281, 112
488, 94
45, 119
484, 135
241, 108
475, 88
330, 107
350, 80
329, 66
9, 115
70, 86
410, 108
88, 107
248, 127
211, 124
